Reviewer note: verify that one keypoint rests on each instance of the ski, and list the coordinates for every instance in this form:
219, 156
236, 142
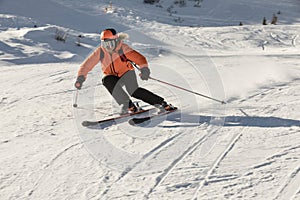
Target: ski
93, 123
139, 120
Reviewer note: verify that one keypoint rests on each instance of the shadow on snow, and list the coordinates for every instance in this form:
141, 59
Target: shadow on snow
251, 121
186, 120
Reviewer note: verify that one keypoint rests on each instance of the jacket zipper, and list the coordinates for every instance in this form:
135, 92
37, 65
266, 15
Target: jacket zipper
112, 63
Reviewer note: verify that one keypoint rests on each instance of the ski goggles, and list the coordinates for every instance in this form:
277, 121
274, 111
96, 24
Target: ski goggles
109, 43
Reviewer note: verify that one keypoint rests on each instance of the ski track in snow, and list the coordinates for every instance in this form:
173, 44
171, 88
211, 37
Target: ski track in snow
207, 177
216, 164
289, 188
159, 147
160, 178
169, 169
49, 165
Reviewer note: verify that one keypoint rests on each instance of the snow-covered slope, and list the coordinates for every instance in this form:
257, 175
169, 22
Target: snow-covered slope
246, 149
208, 13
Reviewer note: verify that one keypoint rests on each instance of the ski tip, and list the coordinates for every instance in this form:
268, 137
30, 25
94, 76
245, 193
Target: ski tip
88, 123
85, 123
131, 122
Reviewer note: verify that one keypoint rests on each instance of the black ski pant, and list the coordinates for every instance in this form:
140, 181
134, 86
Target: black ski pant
115, 85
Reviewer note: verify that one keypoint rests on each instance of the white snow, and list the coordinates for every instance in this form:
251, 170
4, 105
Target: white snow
246, 149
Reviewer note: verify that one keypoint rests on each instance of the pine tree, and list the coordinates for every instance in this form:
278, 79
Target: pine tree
274, 19
264, 21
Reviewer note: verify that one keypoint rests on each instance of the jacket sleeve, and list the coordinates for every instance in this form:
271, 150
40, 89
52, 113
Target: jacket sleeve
135, 56
89, 63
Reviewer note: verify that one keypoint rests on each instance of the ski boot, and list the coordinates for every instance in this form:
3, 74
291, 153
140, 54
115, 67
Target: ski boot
129, 108
166, 107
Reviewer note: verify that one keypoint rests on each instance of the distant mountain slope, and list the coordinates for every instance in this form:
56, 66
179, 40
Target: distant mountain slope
210, 12
50, 12
231, 12
88, 15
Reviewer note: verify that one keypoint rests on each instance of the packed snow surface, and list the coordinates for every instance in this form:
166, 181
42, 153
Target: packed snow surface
247, 148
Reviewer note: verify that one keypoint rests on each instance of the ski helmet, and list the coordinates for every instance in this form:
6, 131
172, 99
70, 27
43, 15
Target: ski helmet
109, 34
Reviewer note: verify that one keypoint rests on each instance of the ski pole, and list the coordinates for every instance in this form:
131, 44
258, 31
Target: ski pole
178, 87
75, 101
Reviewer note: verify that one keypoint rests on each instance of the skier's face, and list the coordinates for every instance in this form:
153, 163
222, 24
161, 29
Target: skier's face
109, 44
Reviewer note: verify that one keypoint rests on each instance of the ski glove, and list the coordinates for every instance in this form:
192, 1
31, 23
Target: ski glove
79, 81
145, 73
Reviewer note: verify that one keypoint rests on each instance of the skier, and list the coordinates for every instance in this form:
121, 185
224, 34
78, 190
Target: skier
116, 59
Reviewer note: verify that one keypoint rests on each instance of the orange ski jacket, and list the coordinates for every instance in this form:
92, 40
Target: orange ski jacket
113, 63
